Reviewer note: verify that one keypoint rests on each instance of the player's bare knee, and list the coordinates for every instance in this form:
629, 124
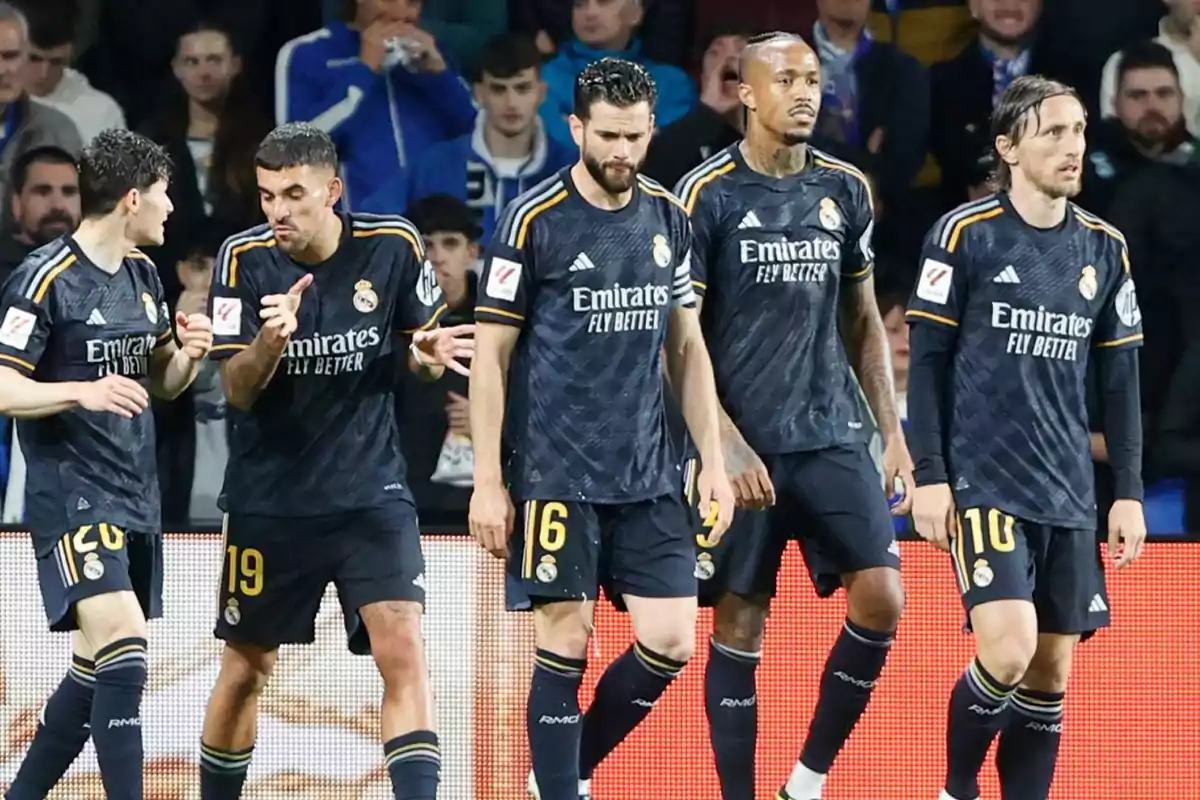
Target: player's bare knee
396, 642
1006, 638
1050, 668
739, 622
108, 618
564, 628
875, 598
245, 669
665, 625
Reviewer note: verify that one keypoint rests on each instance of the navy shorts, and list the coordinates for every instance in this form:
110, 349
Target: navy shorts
830, 501
276, 570
1060, 570
563, 550
94, 560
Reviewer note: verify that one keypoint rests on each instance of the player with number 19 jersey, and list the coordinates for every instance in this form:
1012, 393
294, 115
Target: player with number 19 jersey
315, 464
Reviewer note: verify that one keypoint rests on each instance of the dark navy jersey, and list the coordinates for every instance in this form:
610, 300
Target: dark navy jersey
321, 437
65, 319
592, 291
769, 258
1028, 305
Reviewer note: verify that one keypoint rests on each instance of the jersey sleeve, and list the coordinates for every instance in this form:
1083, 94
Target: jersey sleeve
164, 332
27, 320
858, 261
420, 302
233, 303
506, 280
940, 294
703, 219
1119, 325
682, 293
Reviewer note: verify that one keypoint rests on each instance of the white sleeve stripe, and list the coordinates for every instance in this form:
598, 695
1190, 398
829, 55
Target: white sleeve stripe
688, 182
43, 271
225, 256
521, 212
958, 215
283, 63
684, 299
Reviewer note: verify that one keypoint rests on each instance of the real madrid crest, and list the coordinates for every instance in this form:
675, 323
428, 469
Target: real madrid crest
93, 567
828, 214
982, 575
705, 568
547, 571
151, 308
365, 299
1088, 285
662, 251
233, 614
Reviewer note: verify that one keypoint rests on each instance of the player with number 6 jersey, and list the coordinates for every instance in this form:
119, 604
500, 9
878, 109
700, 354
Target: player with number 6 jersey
586, 285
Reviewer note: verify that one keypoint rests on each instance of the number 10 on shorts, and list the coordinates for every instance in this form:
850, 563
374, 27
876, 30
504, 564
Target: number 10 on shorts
984, 537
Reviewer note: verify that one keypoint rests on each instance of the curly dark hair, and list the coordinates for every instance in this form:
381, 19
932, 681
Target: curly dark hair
296, 144
614, 81
115, 163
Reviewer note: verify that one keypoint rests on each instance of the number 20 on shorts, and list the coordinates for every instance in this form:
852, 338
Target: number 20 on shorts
545, 530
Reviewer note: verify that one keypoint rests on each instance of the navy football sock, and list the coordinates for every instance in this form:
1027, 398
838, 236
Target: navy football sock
223, 772
116, 717
851, 670
731, 703
555, 724
61, 734
1028, 750
414, 763
624, 696
977, 707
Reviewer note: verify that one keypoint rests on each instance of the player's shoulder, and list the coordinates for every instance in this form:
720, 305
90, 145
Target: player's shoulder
705, 178
34, 276
143, 266
251, 245
389, 228
1098, 229
842, 173
663, 198
967, 220
529, 207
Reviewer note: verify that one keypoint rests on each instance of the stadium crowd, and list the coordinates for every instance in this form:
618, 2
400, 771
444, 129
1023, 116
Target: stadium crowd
446, 110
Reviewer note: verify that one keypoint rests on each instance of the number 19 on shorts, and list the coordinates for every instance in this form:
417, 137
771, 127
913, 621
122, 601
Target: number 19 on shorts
243, 571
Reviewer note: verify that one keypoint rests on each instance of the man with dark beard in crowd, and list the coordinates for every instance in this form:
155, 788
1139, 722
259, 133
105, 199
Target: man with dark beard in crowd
1149, 127
45, 203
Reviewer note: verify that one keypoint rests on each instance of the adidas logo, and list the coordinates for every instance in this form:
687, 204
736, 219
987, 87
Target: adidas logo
96, 318
1007, 275
581, 263
1098, 605
749, 221
82, 505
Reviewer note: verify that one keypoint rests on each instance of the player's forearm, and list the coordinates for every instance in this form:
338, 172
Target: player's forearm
869, 351
246, 374
487, 390
25, 398
931, 348
426, 372
1123, 421
175, 375
690, 369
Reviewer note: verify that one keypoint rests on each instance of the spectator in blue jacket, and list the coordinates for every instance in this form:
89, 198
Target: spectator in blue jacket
606, 28
509, 151
379, 86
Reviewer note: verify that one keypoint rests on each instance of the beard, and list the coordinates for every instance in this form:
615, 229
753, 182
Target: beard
50, 227
613, 183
